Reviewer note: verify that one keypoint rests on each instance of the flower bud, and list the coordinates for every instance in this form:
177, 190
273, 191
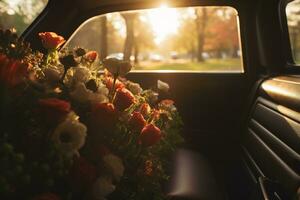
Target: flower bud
150, 135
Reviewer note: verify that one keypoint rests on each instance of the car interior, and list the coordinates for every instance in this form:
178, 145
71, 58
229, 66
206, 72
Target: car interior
242, 130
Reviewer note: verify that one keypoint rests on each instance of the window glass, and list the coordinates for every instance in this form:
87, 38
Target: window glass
202, 39
19, 14
293, 17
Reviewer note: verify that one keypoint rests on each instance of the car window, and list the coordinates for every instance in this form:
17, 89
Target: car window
202, 39
19, 14
293, 17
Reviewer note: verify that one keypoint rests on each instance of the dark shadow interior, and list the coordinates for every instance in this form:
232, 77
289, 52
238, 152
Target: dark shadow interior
242, 130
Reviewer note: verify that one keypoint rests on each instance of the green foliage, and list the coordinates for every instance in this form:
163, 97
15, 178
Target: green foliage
12, 46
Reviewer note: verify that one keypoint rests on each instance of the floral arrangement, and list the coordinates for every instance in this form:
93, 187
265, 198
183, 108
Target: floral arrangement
72, 127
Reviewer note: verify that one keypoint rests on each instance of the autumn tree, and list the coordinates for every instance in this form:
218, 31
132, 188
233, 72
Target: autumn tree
130, 20
222, 37
143, 38
103, 37
185, 40
19, 14
201, 21
194, 32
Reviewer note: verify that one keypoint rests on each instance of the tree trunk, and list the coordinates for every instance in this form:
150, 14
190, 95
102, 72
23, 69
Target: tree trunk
129, 41
201, 20
103, 38
234, 52
136, 52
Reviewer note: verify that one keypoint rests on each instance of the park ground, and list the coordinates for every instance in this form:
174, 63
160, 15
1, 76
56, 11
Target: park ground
213, 65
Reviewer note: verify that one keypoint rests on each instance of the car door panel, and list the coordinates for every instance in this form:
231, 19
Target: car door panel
272, 137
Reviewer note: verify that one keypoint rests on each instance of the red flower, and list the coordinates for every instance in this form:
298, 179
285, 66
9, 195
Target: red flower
103, 115
51, 40
124, 99
82, 173
145, 109
102, 150
167, 102
155, 114
137, 121
12, 72
109, 83
91, 55
47, 196
150, 135
54, 110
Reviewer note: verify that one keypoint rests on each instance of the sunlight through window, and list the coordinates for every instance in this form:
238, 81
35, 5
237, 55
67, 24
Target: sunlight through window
196, 39
164, 22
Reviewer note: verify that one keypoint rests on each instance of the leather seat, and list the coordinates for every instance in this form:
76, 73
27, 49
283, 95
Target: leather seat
193, 178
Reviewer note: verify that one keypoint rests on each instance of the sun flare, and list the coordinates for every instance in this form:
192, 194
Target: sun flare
164, 21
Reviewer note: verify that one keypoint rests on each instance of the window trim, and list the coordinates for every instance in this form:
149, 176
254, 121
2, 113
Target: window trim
291, 65
242, 58
37, 19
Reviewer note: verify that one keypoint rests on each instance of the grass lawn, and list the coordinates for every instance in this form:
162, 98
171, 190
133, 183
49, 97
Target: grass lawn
208, 65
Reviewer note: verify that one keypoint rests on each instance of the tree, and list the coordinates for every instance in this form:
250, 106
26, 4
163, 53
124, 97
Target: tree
143, 37
185, 41
103, 37
130, 19
223, 38
201, 21
19, 14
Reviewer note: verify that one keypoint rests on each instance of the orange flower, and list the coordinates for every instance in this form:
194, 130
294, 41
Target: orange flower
137, 121
12, 72
155, 114
145, 109
109, 83
124, 99
150, 135
167, 102
91, 55
51, 40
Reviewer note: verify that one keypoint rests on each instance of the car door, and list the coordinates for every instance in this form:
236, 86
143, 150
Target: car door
271, 137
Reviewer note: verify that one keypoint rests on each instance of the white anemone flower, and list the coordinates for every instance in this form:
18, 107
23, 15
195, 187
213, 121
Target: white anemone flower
81, 93
81, 75
102, 187
115, 165
70, 135
52, 74
84, 95
135, 88
163, 86
152, 96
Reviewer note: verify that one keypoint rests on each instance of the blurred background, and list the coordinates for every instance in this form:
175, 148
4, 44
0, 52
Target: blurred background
191, 38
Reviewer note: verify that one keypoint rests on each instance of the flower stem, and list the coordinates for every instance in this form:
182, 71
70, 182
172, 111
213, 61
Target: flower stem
113, 88
64, 74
